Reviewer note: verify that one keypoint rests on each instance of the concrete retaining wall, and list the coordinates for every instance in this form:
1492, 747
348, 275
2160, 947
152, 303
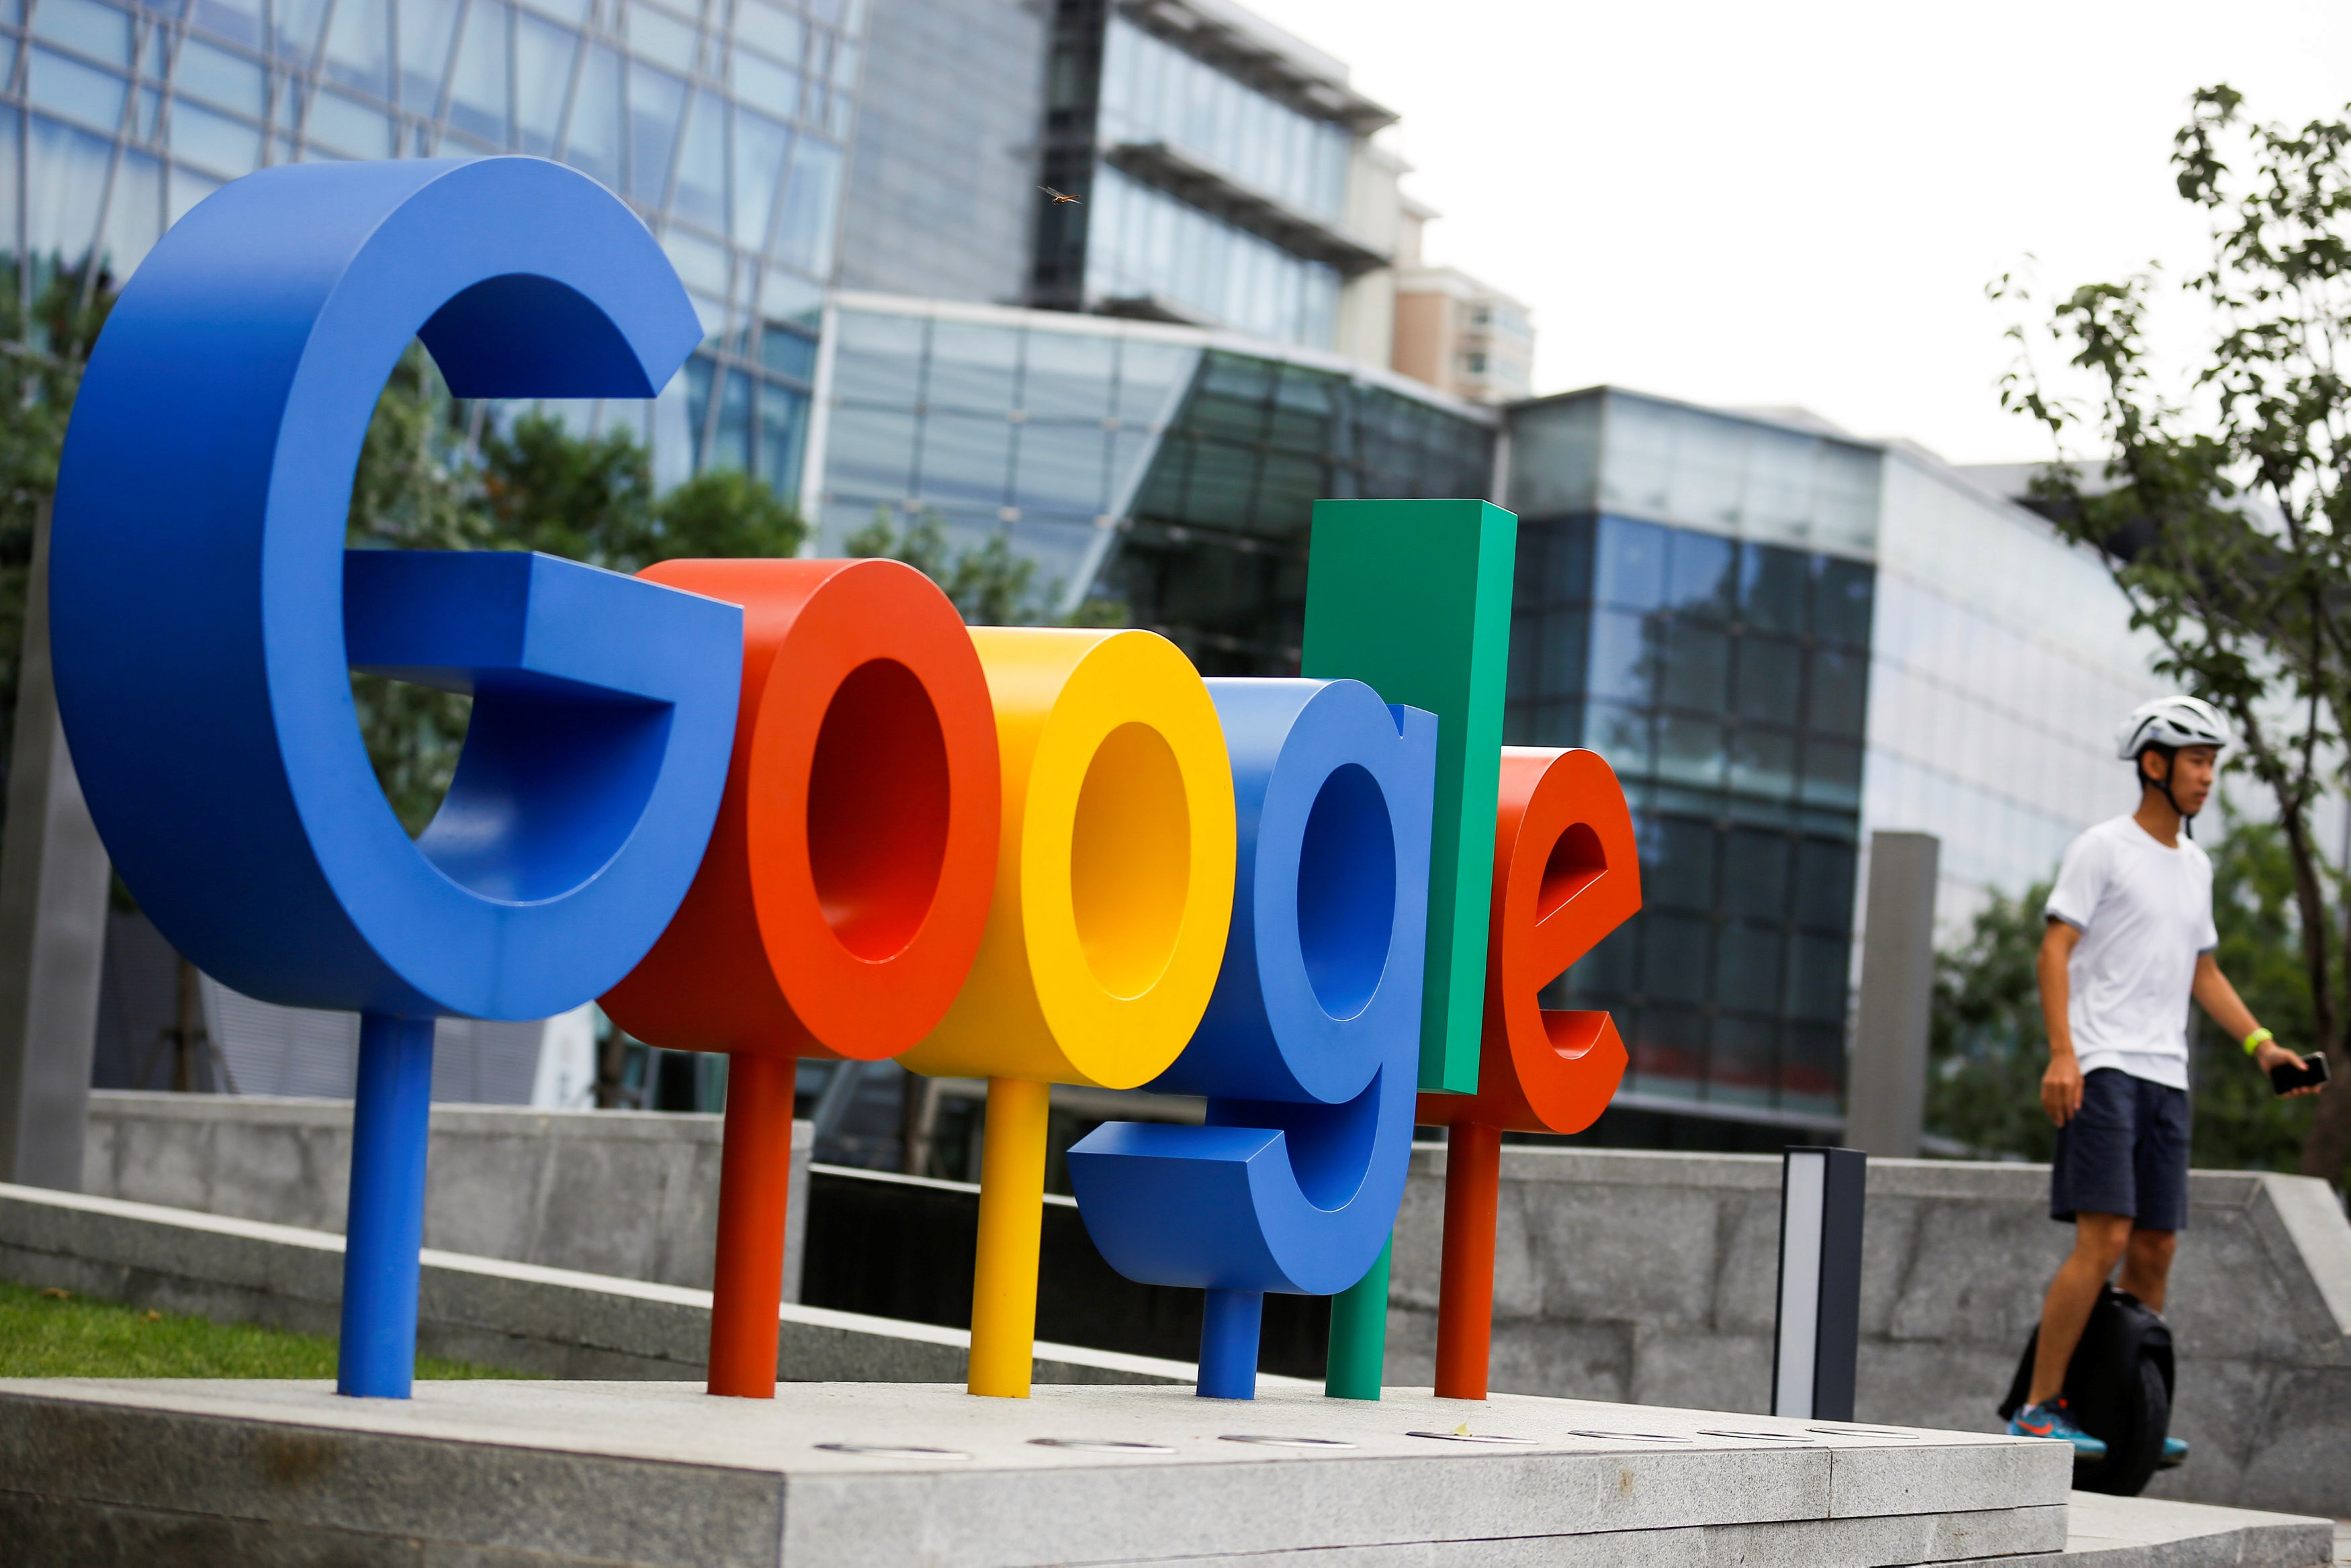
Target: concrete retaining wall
1649, 1278
554, 1323
628, 1193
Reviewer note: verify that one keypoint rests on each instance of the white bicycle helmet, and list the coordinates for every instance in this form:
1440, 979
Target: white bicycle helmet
2171, 721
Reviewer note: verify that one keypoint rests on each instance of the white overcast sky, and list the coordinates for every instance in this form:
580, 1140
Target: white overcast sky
1800, 203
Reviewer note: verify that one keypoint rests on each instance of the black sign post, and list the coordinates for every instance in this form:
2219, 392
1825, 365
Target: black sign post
1819, 1336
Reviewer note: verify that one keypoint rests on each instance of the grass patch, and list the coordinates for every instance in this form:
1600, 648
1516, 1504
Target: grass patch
50, 1334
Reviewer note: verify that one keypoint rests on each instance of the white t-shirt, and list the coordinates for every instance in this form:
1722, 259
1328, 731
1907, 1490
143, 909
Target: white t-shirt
2144, 913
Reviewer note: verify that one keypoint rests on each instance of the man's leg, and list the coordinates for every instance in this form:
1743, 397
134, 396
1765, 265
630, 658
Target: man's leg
2099, 1241
2147, 1265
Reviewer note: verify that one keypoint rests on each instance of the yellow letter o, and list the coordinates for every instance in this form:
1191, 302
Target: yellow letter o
1114, 877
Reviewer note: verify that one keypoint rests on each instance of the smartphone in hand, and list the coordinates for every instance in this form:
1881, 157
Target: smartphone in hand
2285, 1080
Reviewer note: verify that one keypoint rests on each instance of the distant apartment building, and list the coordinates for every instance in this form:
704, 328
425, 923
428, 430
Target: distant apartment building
1458, 332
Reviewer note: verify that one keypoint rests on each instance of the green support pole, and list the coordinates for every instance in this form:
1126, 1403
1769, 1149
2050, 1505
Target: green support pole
1358, 1334
1413, 599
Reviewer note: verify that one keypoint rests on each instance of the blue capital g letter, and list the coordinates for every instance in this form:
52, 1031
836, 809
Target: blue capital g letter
1310, 1050
205, 617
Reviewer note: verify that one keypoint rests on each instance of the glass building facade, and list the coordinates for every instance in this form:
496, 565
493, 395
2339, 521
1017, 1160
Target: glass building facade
1212, 160
1723, 670
721, 122
1170, 469
1786, 639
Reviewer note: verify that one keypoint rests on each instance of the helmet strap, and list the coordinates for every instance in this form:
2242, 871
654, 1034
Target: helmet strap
2171, 756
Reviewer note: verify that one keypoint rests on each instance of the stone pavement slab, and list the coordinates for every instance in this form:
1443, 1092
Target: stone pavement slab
835, 1475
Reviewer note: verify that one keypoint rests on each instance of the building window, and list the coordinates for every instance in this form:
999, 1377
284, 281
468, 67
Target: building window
1725, 680
1476, 363
1145, 245
1154, 91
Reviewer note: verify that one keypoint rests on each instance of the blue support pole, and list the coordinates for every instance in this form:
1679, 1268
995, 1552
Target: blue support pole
390, 1124
1228, 1331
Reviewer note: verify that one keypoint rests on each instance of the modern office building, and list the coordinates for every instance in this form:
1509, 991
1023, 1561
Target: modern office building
1785, 639
1221, 172
1456, 332
723, 123
1171, 469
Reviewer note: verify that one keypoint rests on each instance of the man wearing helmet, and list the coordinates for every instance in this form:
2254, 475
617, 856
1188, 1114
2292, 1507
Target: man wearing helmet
2129, 940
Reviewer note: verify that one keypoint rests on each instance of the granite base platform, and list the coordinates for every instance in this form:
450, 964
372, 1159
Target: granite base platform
503, 1474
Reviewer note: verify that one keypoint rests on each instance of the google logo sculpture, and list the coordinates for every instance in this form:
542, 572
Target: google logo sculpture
794, 808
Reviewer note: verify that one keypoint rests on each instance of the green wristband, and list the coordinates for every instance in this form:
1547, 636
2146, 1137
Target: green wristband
2257, 1039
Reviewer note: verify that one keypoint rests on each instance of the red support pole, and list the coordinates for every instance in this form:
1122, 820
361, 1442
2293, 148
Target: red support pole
754, 1188
1465, 1303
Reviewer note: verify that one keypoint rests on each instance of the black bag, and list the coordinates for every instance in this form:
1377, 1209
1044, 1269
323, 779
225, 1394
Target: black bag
2118, 1389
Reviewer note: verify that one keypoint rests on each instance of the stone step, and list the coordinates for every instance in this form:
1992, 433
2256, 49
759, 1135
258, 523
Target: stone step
881, 1475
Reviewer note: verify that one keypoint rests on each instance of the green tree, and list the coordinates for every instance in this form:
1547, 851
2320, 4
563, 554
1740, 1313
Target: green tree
2219, 498
1988, 1046
989, 584
44, 354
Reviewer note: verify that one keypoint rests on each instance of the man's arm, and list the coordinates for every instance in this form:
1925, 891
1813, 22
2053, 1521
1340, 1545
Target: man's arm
2226, 1008
2061, 1085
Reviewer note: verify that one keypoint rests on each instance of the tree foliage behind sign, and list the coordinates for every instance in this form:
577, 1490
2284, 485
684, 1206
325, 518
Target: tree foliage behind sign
42, 353
2220, 502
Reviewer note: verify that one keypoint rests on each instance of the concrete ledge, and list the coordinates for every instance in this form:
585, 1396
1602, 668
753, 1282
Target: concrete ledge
633, 1193
557, 1323
2153, 1533
660, 1473
1649, 1278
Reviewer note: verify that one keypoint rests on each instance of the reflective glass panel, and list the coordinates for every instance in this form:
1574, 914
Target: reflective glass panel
1675, 959
221, 76
477, 87
701, 195
427, 28
214, 142
77, 91
771, 88
973, 367
1770, 681
1629, 567
591, 142
1697, 667
783, 435
1069, 375
655, 101
811, 198
297, 22
68, 181
86, 27
1743, 1064
543, 56
1060, 468
879, 358
760, 145
360, 45
236, 20
1677, 864
1700, 579
871, 452
347, 127
965, 459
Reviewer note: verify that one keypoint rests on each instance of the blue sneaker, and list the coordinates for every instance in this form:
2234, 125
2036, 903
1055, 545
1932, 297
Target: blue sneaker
2174, 1452
2051, 1421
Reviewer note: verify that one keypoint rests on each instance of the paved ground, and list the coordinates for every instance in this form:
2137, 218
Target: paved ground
2343, 1541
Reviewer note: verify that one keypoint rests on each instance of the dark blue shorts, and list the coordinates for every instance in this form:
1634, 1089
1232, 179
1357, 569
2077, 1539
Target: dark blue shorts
2125, 1152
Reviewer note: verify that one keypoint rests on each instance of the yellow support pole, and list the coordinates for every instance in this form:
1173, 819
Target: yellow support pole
1011, 1227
